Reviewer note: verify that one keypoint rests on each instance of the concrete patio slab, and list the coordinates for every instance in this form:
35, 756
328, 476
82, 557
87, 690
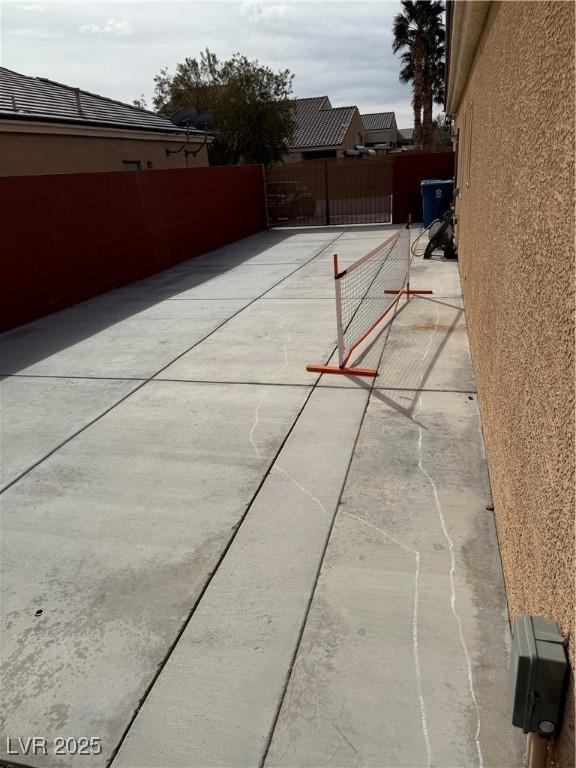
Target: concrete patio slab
158, 282
280, 253
422, 328
312, 281
288, 250
368, 232
254, 346
113, 538
111, 338
161, 564
238, 282
436, 329
265, 582
437, 275
349, 248
315, 280
403, 658
311, 234
38, 414
346, 255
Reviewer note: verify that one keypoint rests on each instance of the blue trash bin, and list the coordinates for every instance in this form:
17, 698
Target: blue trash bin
436, 198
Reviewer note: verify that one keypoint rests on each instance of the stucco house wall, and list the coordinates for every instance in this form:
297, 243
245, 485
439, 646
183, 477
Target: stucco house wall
354, 135
515, 124
35, 149
388, 136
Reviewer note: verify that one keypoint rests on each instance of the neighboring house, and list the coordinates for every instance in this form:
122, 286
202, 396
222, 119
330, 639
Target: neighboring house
381, 131
47, 127
324, 131
510, 90
405, 137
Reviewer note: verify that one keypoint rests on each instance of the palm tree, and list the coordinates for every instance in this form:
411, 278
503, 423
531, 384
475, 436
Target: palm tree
418, 32
407, 76
433, 78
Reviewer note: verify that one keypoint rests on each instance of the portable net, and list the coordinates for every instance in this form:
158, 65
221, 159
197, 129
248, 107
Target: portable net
368, 288
365, 292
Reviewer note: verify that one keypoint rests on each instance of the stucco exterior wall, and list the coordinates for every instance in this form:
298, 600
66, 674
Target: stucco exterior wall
516, 247
29, 154
354, 135
389, 136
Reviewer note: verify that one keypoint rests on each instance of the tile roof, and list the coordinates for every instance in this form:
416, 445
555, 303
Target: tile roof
318, 124
378, 121
306, 108
36, 98
406, 133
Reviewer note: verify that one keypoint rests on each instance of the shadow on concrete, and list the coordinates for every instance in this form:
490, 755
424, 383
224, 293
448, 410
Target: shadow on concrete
373, 355
28, 344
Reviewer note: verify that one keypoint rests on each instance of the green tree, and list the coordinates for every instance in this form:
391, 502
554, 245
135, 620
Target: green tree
255, 117
141, 102
418, 33
442, 132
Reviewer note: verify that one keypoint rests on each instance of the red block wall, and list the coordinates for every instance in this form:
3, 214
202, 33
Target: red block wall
410, 168
67, 238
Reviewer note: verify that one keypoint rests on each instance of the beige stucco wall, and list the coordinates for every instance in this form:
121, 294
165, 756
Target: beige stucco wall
516, 247
25, 154
354, 135
389, 136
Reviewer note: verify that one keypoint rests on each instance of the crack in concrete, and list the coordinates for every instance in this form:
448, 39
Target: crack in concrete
257, 416
450, 544
270, 380
415, 645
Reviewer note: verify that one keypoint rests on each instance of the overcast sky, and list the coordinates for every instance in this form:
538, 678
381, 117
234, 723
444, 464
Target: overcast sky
334, 47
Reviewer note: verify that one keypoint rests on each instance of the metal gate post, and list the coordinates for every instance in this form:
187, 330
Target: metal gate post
339, 324
265, 196
326, 190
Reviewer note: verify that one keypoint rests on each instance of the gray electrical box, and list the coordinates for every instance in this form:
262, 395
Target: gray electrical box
539, 675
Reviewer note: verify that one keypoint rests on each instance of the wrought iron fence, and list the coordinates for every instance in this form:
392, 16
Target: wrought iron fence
330, 191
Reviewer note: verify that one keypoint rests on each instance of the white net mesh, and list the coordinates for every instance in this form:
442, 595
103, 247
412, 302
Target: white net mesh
363, 287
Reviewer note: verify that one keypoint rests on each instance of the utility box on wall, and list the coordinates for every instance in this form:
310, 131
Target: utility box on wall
539, 670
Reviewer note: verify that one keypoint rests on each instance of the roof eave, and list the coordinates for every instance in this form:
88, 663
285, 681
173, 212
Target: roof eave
308, 148
466, 22
41, 118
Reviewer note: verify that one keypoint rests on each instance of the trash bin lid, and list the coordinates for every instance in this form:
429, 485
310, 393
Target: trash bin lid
427, 182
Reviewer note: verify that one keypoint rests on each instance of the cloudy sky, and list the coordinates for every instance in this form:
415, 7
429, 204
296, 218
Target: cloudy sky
339, 48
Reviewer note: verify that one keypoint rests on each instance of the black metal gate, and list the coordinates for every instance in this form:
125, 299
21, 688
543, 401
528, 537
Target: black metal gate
331, 191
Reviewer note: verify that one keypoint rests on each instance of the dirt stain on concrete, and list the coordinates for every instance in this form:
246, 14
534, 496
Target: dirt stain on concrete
430, 325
